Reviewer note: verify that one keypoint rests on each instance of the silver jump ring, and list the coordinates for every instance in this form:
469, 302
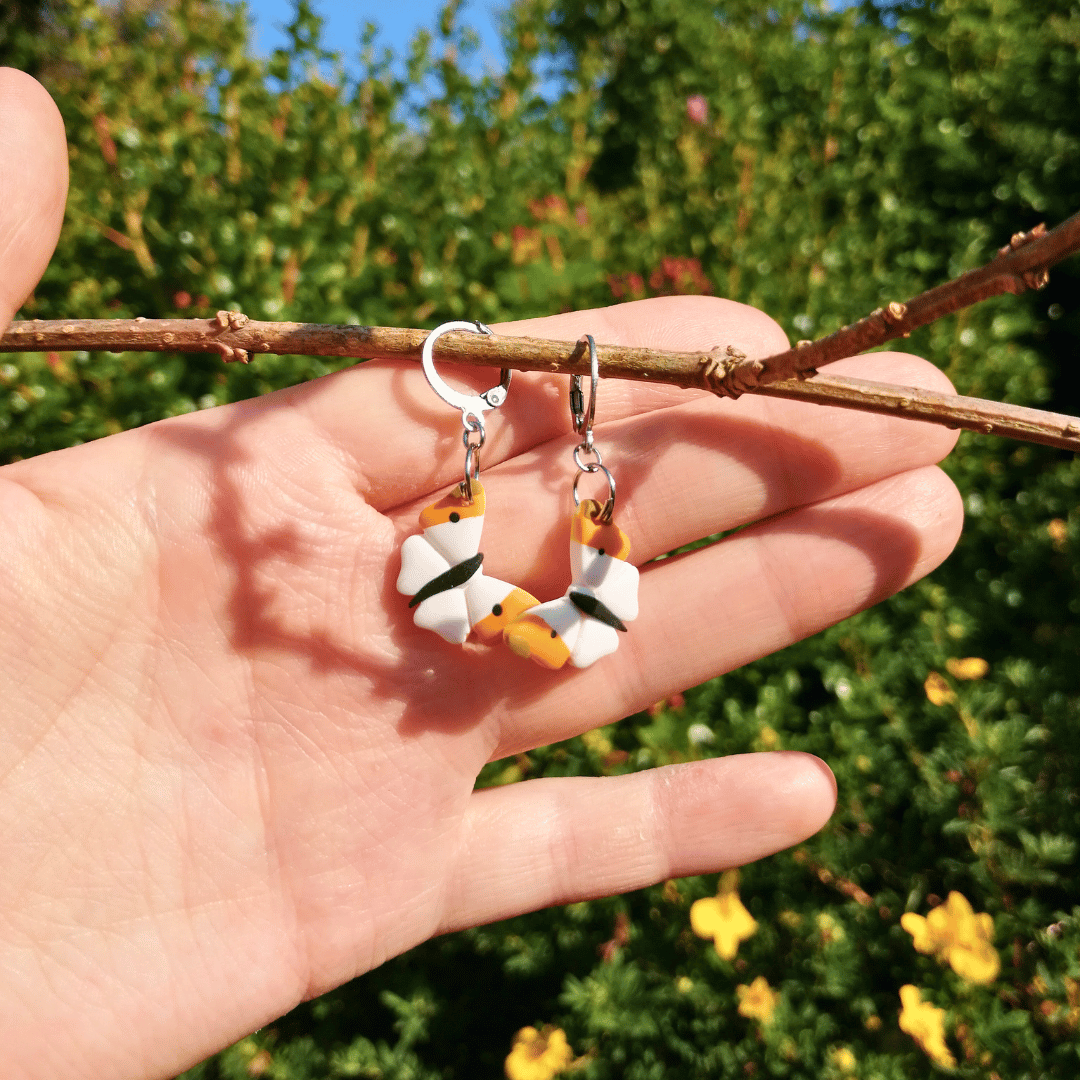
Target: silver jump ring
609, 506
474, 405
588, 466
472, 466
474, 425
472, 454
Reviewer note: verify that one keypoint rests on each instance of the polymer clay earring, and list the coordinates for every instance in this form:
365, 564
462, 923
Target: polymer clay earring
441, 566
584, 625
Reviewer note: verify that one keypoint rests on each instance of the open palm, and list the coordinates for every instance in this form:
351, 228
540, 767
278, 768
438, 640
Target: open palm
235, 774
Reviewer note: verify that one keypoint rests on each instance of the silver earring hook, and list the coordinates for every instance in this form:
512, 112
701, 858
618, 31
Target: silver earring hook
583, 426
471, 405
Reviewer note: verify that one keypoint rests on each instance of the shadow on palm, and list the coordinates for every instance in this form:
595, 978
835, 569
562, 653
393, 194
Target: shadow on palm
451, 689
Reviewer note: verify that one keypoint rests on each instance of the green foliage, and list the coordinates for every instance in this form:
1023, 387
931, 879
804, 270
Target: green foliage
812, 163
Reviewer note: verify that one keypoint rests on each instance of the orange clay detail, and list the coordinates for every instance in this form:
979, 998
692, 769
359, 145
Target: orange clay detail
454, 503
517, 603
531, 638
585, 530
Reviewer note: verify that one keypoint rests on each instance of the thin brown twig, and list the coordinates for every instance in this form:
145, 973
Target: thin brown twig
233, 333
725, 371
1023, 263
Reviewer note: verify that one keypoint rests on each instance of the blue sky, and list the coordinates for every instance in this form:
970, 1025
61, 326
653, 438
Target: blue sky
398, 21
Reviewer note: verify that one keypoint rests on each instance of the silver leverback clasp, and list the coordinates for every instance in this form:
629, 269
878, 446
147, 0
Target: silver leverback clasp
583, 426
471, 405
583, 421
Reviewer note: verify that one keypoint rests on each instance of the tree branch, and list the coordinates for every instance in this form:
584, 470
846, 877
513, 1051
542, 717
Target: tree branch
1023, 263
725, 371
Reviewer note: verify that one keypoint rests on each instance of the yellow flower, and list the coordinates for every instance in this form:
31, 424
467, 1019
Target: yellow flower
538, 1055
768, 738
971, 667
938, 690
954, 932
723, 917
844, 1059
791, 919
925, 1023
597, 741
758, 1000
830, 929
1072, 995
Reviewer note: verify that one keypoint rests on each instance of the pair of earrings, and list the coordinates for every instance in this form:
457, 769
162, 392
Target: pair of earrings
441, 567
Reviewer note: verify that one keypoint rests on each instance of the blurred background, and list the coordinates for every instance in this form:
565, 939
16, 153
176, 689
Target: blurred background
515, 160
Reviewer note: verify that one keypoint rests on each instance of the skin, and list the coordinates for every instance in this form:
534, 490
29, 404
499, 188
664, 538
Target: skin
229, 760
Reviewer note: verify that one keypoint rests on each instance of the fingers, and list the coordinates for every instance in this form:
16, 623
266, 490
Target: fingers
543, 842
702, 467
419, 437
394, 440
33, 185
755, 592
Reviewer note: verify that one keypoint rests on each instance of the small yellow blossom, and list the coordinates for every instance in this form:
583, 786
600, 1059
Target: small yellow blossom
873, 1023
830, 929
938, 690
1059, 532
955, 933
723, 917
1072, 995
791, 919
844, 1059
758, 1000
538, 1055
768, 738
684, 985
597, 741
925, 1023
971, 667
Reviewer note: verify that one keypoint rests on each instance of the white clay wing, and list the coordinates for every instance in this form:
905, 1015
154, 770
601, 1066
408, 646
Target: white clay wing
482, 594
420, 563
594, 640
456, 541
562, 617
619, 589
447, 614
612, 581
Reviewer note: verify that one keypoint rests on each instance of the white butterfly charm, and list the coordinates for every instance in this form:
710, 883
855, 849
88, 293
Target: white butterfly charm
441, 571
583, 625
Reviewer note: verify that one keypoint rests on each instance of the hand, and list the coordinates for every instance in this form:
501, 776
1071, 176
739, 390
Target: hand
234, 773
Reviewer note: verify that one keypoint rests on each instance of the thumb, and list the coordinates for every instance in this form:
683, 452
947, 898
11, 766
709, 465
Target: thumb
33, 185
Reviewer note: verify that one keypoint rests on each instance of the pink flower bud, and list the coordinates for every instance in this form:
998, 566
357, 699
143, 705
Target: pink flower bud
697, 109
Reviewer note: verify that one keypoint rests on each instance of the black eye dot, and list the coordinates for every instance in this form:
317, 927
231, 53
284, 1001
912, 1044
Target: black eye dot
455, 517
553, 634
599, 551
497, 610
